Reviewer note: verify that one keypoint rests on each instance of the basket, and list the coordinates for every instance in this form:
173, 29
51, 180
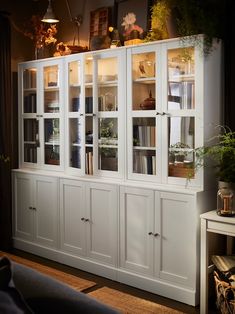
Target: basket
225, 295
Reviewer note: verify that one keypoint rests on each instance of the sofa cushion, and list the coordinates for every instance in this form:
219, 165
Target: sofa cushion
46, 295
11, 299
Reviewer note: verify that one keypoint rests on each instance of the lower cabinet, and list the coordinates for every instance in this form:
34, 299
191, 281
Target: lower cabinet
158, 238
139, 236
35, 212
88, 219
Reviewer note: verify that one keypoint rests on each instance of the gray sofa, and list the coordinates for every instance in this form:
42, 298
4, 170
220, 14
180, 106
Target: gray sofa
29, 291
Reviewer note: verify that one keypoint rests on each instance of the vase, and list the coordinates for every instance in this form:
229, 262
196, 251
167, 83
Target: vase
39, 52
225, 199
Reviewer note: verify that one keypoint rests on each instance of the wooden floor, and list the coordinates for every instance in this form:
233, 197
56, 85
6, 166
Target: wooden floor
112, 284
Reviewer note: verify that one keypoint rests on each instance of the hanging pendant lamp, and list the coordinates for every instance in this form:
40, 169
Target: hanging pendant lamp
49, 16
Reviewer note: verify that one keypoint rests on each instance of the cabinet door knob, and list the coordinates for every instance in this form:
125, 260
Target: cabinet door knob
87, 219
150, 233
157, 113
156, 234
30, 207
82, 219
81, 114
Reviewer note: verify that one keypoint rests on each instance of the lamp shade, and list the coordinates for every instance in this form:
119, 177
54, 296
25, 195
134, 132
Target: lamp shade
49, 16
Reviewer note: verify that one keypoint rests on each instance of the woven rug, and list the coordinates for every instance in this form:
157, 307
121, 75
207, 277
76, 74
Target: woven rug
129, 304
75, 282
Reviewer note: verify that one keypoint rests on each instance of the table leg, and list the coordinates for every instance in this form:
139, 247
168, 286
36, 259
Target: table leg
204, 269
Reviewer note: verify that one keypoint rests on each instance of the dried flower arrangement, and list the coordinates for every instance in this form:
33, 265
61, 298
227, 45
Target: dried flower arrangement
39, 32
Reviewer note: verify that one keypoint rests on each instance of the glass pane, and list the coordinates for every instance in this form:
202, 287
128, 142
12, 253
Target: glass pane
88, 70
108, 144
144, 145
88, 100
74, 73
75, 157
143, 65
30, 140
29, 87
181, 81
89, 130
51, 101
74, 86
107, 70
30, 102
144, 83
107, 98
51, 76
52, 141
181, 144
75, 134
30, 78
144, 161
144, 132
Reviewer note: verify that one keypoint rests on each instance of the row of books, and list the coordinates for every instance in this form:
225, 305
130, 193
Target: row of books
144, 164
144, 135
30, 153
89, 163
30, 79
30, 103
182, 94
30, 130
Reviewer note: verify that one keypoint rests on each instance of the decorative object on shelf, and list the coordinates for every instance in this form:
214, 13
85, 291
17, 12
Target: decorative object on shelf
100, 42
115, 40
77, 21
131, 30
62, 50
225, 199
148, 103
147, 68
99, 29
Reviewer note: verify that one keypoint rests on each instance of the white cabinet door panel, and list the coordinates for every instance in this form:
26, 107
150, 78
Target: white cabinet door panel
46, 200
176, 250
23, 214
72, 215
136, 222
102, 224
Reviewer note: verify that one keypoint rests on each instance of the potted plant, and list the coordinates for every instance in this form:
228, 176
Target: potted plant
189, 18
220, 155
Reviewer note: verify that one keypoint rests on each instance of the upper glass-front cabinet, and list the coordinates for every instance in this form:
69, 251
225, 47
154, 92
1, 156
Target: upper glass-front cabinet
95, 106
135, 112
162, 112
41, 111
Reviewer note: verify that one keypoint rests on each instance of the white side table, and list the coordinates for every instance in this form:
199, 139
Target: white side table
211, 222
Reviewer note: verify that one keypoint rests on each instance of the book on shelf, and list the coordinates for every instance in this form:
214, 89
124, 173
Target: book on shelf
89, 163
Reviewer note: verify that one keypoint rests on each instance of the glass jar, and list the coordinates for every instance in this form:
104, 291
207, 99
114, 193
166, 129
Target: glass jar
225, 199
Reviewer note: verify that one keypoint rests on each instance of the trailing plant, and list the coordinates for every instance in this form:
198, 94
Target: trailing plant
220, 156
192, 17
160, 12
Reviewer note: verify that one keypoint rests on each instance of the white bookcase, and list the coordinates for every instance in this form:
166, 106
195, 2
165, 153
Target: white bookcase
112, 134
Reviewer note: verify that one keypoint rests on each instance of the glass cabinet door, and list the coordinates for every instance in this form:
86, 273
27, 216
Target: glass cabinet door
74, 114
143, 105
107, 87
89, 115
51, 114
181, 106
29, 110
